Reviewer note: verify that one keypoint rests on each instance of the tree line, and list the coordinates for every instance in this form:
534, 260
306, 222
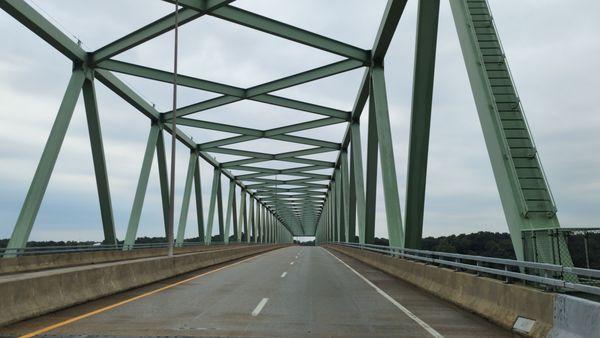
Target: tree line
482, 243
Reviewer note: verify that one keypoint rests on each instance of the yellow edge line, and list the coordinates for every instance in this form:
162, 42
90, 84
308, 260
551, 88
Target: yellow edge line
123, 302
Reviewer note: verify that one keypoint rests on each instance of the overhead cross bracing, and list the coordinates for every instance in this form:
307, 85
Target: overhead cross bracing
295, 191
294, 194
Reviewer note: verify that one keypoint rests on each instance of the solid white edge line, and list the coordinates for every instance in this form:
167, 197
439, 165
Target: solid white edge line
283, 274
407, 312
260, 306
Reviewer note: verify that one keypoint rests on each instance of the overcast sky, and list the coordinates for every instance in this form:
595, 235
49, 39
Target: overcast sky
552, 47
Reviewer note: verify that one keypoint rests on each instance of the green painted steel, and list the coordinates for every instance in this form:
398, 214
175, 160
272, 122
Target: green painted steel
33, 20
185, 202
388, 166
230, 213
38, 186
153, 30
524, 191
286, 31
357, 192
163, 178
331, 199
339, 215
198, 198
268, 230
127, 94
216, 183
140, 192
243, 221
267, 227
259, 224
220, 209
95, 132
371, 179
351, 205
256, 220
328, 199
252, 219
345, 198
262, 225
258, 93
426, 41
391, 16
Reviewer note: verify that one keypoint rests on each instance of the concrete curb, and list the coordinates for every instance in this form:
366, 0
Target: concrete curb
62, 260
36, 293
494, 300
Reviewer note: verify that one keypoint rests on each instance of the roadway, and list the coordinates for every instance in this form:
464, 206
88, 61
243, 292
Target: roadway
290, 292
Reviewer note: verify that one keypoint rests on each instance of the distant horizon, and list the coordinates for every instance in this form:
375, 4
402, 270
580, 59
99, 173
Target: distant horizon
295, 237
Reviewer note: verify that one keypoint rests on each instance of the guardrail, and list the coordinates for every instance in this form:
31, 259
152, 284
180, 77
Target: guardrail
549, 276
6, 252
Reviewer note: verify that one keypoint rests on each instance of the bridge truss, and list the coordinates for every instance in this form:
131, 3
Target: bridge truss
329, 206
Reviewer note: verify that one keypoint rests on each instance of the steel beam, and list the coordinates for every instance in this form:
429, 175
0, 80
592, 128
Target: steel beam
510, 187
252, 219
256, 220
303, 126
140, 192
95, 133
301, 213
426, 41
388, 166
220, 210
167, 77
198, 198
387, 27
153, 30
236, 229
345, 183
289, 32
358, 180
185, 202
229, 213
218, 127
163, 178
39, 25
38, 186
243, 221
212, 206
233, 94
371, 179
126, 93
352, 204
391, 16
303, 106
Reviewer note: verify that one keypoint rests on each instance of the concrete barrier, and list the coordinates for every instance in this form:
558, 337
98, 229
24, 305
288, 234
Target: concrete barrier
61, 260
32, 294
575, 317
515, 307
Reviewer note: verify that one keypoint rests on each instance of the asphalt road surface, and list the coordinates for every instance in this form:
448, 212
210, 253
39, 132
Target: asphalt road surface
290, 292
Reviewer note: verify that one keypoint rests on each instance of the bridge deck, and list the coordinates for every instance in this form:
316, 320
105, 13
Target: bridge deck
317, 296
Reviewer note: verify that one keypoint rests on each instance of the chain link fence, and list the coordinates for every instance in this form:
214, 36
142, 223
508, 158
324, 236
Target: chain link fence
577, 247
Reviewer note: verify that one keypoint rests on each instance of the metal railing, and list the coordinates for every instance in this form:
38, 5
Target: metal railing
548, 276
39, 250
564, 246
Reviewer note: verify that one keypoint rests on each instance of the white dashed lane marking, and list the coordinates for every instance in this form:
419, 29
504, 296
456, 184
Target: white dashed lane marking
259, 307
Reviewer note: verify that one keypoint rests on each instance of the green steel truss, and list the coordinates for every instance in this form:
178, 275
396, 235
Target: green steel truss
307, 201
